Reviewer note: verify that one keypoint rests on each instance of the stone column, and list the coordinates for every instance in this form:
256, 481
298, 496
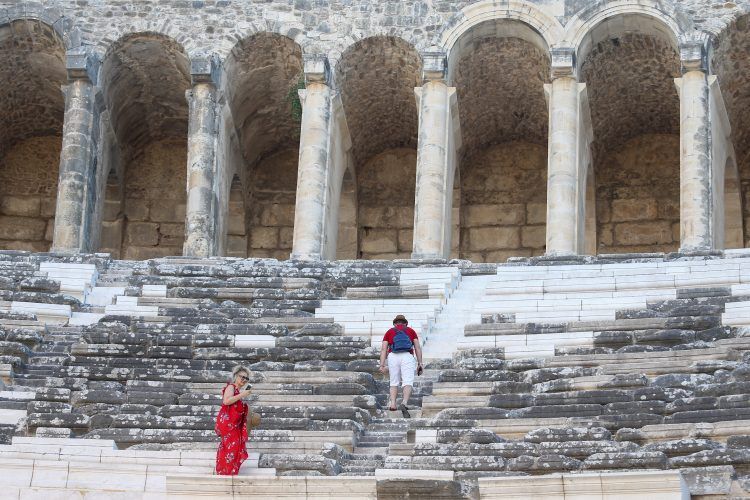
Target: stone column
200, 237
435, 161
695, 150
313, 174
565, 174
77, 158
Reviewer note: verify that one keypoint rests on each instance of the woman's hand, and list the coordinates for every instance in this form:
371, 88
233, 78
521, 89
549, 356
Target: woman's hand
245, 393
383, 369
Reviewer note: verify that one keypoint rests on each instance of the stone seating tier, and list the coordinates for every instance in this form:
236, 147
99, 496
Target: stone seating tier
658, 389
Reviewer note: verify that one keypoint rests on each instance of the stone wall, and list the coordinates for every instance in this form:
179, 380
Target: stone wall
270, 209
744, 171
236, 228
28, 191
31, 107
149, 220
386, 205
347, 241
733, 69
374, 49
503, 202
638, 196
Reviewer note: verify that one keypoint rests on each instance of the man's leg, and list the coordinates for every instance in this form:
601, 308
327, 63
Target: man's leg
407, 394
394, 373
408, 365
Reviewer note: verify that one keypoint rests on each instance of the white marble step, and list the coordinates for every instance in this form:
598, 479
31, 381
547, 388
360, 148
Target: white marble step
373, 317
651, 294
75, 279
84, 319
458, 311
736, 314
104, 295
48, 313
527, 346
344, 304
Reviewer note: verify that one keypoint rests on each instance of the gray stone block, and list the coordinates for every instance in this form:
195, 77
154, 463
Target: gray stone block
572, 434
543, 464
626, 460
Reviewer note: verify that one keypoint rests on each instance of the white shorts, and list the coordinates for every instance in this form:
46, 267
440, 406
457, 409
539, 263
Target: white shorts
401, 368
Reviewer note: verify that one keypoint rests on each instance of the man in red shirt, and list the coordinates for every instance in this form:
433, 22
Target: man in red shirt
400, 345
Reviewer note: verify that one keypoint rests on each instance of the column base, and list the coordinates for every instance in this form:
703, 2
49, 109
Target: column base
65, 250
426, 256
560, 253
698, 251
299, 256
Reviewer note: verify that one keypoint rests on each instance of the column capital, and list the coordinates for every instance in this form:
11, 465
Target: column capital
693, 56
205, 68
81, 64
563, 63
317, 69
434, 66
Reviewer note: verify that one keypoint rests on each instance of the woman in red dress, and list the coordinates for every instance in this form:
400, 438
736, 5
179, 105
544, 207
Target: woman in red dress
231, 425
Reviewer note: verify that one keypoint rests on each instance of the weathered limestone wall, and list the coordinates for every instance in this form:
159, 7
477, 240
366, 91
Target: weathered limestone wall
638, 196
347, 241
636, 148
31, 122
153, 210
732, 68
744, 170
236, 245
270, 210
28, 191
503, 202
386, 205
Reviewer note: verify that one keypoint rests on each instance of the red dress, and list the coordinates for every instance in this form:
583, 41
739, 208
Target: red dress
231, 426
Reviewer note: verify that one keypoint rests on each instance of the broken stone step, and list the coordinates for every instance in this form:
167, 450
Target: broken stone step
357, 470
626, 460
543, 464
455, 463
451, 389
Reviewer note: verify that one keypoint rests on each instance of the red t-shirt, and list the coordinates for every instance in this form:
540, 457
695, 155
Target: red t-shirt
388, 337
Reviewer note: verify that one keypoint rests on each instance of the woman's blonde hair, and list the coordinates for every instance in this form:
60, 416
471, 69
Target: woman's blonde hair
239, 368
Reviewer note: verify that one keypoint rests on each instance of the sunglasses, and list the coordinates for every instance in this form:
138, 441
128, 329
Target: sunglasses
242, 377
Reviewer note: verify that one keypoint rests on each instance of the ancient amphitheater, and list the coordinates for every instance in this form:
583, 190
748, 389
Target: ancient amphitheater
555, 193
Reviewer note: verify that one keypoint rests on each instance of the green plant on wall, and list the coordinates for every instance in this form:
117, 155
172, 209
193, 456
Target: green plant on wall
293, 98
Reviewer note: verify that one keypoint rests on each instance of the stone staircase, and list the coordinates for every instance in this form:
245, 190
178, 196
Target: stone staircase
420, 294
442, 340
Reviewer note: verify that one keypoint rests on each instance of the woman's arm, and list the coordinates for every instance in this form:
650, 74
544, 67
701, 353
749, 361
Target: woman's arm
229, 397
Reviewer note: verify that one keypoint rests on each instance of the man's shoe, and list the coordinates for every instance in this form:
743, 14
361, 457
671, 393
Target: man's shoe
404, 411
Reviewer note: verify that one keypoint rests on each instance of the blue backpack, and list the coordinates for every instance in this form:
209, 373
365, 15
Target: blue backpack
401, 341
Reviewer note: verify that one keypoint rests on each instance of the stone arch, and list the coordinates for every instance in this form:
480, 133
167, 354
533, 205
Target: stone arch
144, 77
159, 26
263, 74
292, 30
628, 54
541, 29
613, 18
376, 78
499, 68
32, 48
732, 67
53, 17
